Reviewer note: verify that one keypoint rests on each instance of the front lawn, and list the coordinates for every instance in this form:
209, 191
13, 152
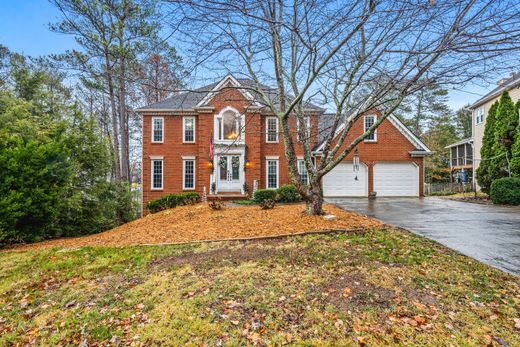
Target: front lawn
378, 287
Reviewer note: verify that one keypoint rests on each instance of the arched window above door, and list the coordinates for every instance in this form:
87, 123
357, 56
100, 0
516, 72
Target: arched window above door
229, 126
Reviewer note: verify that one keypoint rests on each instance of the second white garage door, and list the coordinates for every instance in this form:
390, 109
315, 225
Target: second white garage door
396, 179
341, 181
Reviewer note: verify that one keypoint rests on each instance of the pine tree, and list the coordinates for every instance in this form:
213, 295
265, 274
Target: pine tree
515, 149
505, 128
484, 170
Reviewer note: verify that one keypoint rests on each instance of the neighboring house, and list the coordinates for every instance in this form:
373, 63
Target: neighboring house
480, 109
221, 137
461, 160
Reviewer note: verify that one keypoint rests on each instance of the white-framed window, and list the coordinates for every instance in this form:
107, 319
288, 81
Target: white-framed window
271, 168
307, 123
188, 129
302, 171
188, 173
229, 125
157, 174
271, 129
479, 115
157, 129
369, 121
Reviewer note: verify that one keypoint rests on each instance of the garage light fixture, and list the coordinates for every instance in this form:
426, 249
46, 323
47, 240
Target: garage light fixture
355, 165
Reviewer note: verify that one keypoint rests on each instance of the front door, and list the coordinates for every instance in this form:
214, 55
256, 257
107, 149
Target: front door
230, 173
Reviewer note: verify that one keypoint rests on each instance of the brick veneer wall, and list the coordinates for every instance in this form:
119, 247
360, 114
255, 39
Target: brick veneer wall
391, 146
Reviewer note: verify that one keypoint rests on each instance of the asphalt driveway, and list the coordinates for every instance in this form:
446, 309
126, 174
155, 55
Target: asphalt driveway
490, 234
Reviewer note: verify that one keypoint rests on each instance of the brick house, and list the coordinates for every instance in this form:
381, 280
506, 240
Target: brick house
248, 151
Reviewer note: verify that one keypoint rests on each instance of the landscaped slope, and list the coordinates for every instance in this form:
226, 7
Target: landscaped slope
379, 288
196, 223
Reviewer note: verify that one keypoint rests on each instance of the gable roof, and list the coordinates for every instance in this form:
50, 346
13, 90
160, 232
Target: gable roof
504, 84
326, 121
461, 142
200, 97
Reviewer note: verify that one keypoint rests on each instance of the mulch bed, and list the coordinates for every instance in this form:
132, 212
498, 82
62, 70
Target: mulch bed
200, 223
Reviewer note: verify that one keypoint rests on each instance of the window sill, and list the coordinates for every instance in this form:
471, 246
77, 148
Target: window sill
157, 189
189, 142
370, 141
189, 189
272, 142
157, 142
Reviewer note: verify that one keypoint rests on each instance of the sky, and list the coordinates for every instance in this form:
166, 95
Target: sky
24, 29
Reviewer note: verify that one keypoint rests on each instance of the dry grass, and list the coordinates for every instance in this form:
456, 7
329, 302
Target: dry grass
198, 223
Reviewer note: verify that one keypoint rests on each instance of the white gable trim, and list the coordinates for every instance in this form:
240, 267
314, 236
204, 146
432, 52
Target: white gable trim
234, 82
396, 123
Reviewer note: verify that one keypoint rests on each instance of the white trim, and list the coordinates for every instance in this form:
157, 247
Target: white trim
234, 81
365, 127
479, 114
267, 129
377, 175
188, 157
153, 129
152, 174
184, 160
302, 160
241, 131
156, 157
267, 160
398, 124
142, 171
184, 118
408, 134
272, 157
330, 183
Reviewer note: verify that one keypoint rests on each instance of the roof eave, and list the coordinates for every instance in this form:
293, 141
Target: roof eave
163, 110
494, 95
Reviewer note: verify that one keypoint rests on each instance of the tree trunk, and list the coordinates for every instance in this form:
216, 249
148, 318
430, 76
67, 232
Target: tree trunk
125, 147
115, 124
314, 199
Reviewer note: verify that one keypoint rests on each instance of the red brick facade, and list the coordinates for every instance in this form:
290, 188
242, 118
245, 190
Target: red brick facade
391, 145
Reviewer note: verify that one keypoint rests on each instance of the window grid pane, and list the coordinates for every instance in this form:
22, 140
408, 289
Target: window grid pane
157, 129
302, 170
189, 129
157, 174
189, 174
272, 134
369, 121
272, 174
307, 124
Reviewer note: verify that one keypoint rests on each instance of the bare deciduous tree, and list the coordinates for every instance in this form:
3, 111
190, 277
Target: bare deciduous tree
350, 56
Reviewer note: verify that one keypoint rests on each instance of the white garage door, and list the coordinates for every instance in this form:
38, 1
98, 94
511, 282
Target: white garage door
341, 181
396, 179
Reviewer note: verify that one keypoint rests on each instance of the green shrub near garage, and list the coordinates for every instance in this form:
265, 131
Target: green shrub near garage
506, 191
289, 193
264, 194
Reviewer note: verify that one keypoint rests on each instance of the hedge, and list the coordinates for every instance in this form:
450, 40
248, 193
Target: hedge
263, 194
506, 191
173, 200
289, 193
